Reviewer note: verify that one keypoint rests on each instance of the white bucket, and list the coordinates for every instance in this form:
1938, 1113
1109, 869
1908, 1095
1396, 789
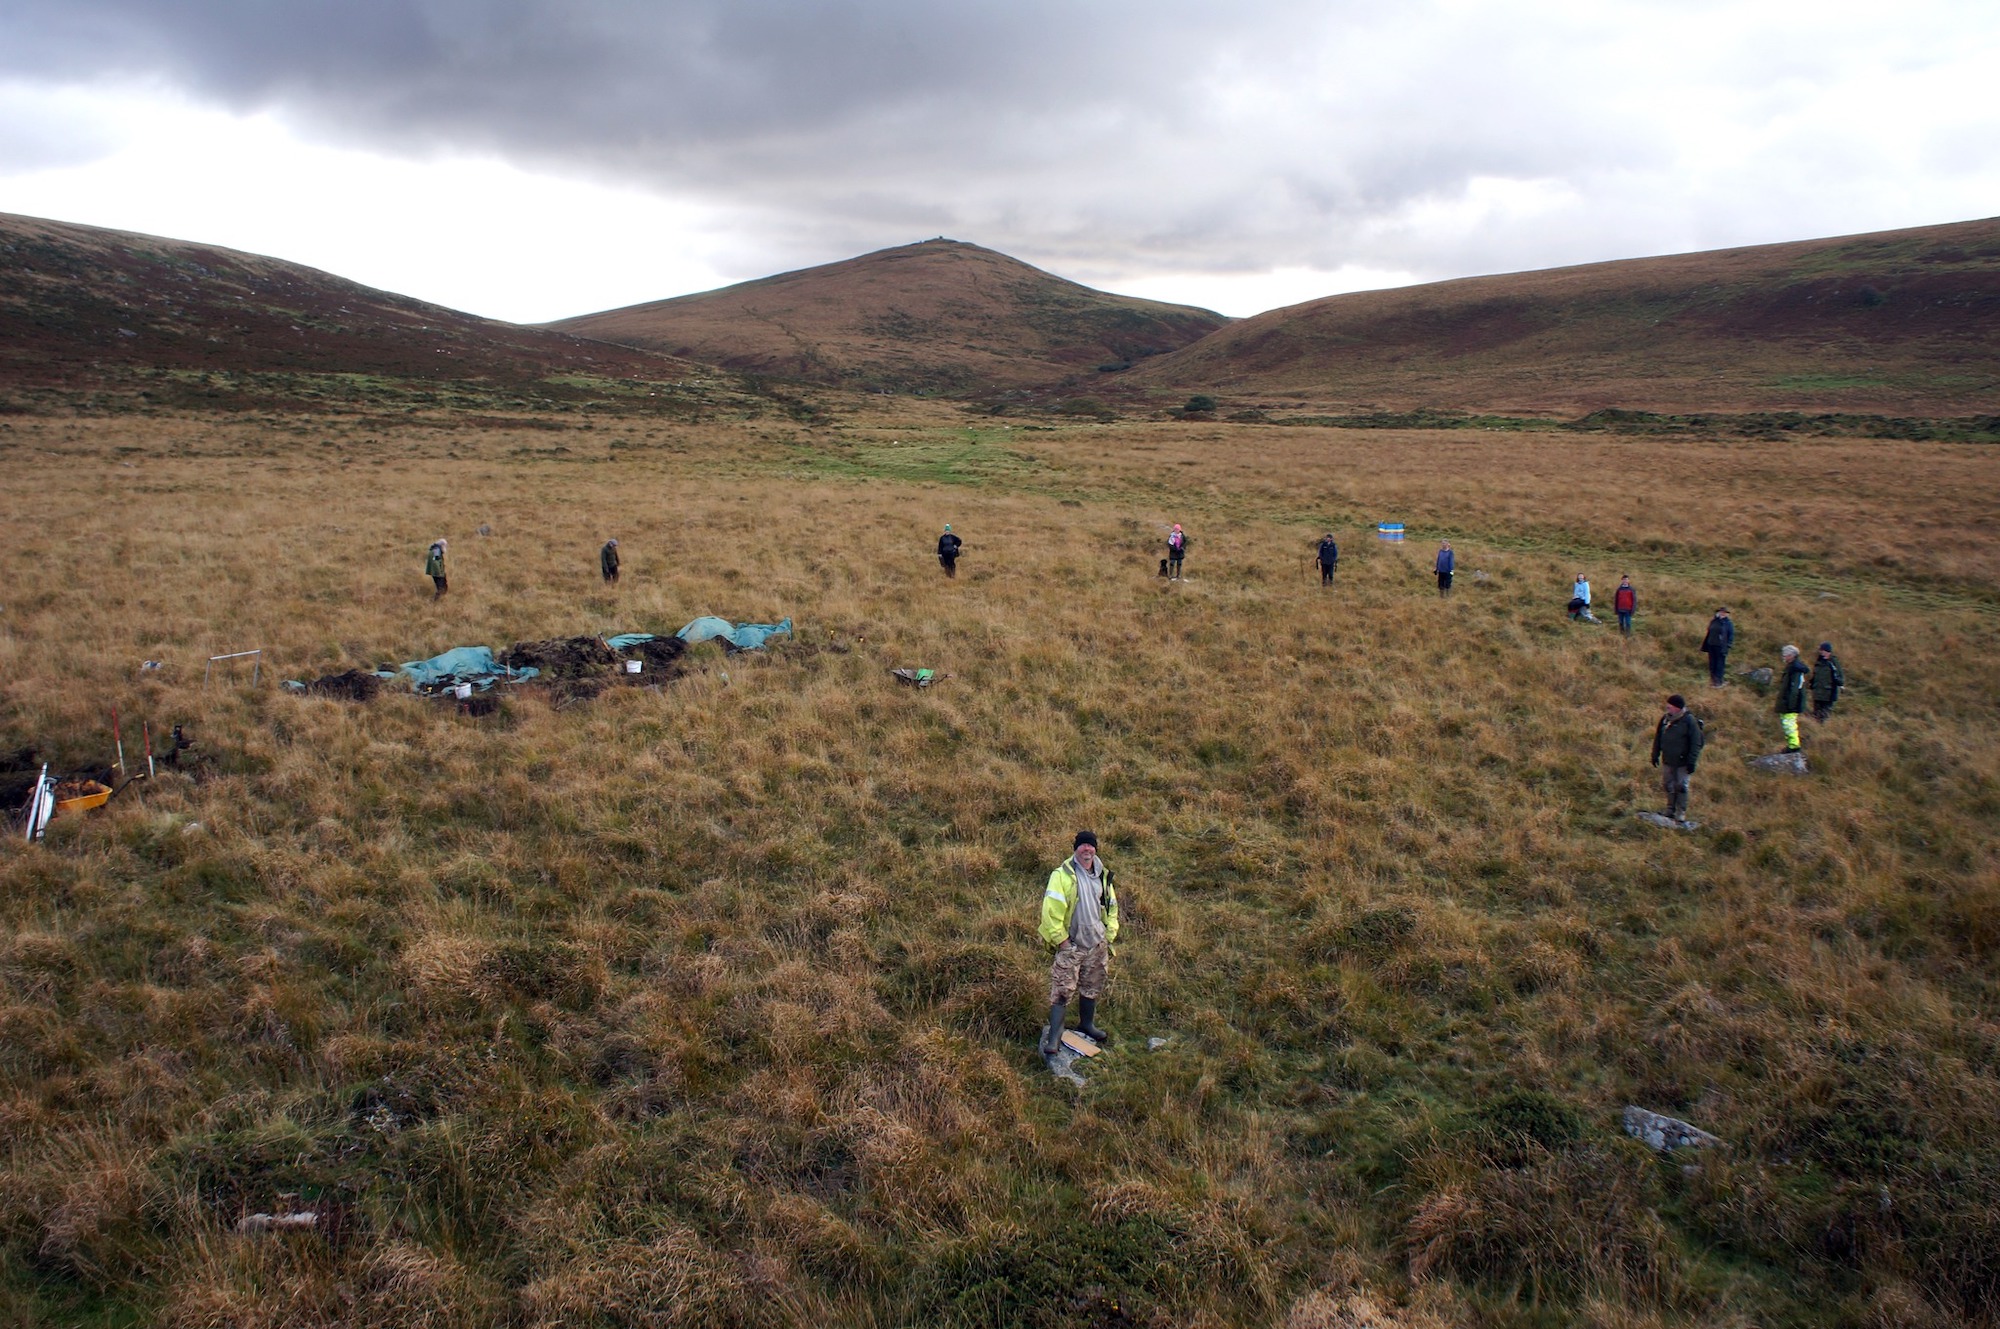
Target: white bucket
462, 691
634, 666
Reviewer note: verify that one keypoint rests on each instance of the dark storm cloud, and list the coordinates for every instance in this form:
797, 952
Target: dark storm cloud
1122, 134
864, 106
648, 81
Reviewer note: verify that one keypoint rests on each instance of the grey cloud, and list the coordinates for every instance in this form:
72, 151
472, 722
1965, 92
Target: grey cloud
1125, 134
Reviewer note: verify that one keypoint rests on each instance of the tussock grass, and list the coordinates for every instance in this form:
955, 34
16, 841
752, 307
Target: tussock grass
714, 1003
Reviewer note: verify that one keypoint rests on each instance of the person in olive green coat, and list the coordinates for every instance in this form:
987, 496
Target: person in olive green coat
607, 560
434, 566
1079, 923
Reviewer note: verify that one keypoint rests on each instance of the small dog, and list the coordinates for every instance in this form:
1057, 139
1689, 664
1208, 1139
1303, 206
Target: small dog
1163, 567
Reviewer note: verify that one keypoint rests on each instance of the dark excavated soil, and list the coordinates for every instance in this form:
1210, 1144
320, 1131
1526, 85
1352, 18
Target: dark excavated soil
349, 685
561, 657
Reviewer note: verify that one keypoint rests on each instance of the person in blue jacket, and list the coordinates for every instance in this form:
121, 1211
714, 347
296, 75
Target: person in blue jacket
1445, 563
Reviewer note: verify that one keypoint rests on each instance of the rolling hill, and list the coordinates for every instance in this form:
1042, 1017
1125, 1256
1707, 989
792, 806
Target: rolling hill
940, 316
1902, 322
85, 310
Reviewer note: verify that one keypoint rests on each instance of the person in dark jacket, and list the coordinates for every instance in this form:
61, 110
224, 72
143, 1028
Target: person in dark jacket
1791, 696
1715, 645
434, 566
607, 560
1827, 681
1624, 600
1177, 543
1328, 557
948, 547
1446, 562
1677, 741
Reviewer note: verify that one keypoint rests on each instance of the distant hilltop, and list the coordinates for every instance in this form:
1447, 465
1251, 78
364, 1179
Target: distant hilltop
941, 316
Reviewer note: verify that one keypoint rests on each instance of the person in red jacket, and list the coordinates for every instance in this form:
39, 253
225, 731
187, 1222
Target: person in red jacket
1625, 600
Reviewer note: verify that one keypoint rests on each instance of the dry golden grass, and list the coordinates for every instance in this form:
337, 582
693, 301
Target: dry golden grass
713, 1003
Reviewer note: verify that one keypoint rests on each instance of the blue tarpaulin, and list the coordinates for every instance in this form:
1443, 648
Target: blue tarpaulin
462, 664
743, 636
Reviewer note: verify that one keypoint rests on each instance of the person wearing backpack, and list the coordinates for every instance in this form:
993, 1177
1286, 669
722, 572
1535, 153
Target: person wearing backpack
948, 547
1079, 922
1677, 743
1329, 557
1624, 600
1827, 681
1176, 551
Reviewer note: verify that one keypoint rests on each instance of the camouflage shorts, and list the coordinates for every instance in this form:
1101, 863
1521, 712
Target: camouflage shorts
1078, 972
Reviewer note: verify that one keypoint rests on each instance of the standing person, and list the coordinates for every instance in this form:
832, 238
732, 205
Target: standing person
1625, 600
1677, 741
1079, 923
1329, 556
1446, 561
948, 547
1791, 696
1827, 681
607, 559
1715, 645
434, 566
1176, 551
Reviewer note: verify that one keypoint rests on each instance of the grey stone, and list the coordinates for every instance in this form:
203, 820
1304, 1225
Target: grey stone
1828, 595
1666, 822
1665, 1133
1155, 1044
484, 529
1760, 676
1790, 763
1062, 1064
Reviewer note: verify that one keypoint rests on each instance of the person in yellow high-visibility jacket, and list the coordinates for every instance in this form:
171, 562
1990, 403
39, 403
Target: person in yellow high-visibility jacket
1079, 923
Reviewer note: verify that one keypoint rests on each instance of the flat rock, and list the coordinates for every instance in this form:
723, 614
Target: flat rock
1665, 1133
1666, 822
1062, 1064
1155, 1044
1790, 763
1760, 676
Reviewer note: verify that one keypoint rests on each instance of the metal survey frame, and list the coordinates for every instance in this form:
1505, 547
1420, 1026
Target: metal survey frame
256, 670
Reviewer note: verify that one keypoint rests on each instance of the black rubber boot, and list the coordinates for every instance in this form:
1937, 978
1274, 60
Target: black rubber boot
1086, 1023
1052, 1036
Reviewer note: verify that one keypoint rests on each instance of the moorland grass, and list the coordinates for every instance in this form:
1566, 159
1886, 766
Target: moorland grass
714, 1003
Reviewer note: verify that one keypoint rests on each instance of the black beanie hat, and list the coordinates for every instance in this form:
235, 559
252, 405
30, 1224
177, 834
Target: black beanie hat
1085, 837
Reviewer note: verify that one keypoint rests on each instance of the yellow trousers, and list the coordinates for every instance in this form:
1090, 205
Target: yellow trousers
1790, 724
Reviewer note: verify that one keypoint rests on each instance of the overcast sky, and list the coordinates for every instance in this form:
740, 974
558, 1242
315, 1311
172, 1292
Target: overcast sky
530, 159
